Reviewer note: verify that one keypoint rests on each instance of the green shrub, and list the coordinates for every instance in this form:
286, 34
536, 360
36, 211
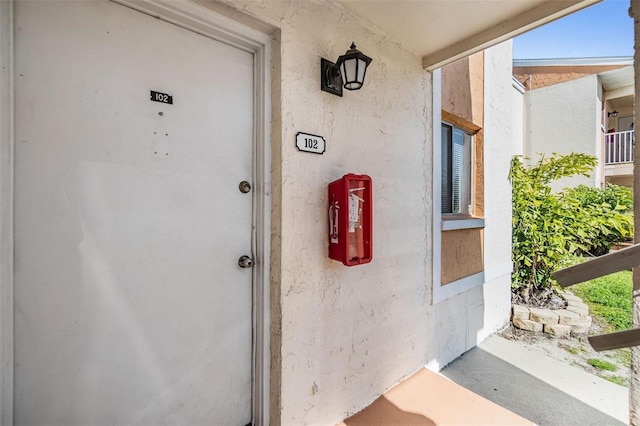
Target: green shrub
619, 197
549, 228
541, 219
611, 211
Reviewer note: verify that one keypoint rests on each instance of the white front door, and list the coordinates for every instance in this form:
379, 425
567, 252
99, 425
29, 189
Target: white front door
130, 305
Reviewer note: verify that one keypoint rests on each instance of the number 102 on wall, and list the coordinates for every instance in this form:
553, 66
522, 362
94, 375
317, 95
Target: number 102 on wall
310, 143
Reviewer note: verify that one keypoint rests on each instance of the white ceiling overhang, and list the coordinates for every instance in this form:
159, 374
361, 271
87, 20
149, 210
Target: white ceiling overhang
619, 87
621, 79
441, 31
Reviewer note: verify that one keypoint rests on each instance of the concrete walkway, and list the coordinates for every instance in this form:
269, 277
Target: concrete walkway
526, 381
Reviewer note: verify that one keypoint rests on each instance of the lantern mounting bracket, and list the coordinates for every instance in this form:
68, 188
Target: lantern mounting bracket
330, 78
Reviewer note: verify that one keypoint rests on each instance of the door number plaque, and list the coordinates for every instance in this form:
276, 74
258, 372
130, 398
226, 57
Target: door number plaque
310, 143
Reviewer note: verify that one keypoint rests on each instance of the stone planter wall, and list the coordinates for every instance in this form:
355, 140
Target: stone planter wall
558, 322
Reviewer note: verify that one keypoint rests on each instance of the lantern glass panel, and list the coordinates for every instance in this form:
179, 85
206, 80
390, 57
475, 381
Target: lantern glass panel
362, 67
349, 71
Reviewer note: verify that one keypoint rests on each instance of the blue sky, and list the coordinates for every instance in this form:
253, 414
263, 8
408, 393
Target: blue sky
604, 29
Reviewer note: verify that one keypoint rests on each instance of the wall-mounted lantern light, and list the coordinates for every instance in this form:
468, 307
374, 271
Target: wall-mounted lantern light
614, 113
347, 72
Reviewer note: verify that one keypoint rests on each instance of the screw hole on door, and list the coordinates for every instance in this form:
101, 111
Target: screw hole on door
244, 187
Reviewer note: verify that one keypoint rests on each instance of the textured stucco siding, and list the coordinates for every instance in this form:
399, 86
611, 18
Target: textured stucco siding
463, 88
350, 333
518, 109
502, 141
565, 118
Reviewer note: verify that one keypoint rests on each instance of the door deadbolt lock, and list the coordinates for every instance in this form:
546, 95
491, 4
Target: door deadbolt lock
245, 262
244, 187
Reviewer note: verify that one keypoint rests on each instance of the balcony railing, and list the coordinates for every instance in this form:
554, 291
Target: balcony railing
618, 147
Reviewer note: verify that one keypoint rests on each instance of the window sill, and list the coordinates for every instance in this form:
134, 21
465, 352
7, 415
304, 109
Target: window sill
453, 223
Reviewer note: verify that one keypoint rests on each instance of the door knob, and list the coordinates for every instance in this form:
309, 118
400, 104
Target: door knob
245, 262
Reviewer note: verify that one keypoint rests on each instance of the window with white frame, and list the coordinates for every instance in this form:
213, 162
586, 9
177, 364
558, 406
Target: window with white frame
456, 170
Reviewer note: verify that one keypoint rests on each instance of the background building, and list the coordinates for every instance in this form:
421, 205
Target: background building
581, 105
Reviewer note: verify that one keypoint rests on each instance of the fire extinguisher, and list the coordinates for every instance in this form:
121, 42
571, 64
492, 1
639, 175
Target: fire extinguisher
351, 220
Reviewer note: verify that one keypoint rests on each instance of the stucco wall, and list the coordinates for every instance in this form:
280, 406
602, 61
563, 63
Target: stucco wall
463, 88
565, 118
502, 136
349, 334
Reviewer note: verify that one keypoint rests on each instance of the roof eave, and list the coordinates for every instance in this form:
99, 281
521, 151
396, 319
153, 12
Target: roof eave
540, 15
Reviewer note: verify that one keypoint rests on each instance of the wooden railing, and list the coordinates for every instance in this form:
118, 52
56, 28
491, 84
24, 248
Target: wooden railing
624, 259
618, 147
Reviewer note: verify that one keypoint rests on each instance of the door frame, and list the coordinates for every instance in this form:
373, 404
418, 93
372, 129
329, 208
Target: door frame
210, 24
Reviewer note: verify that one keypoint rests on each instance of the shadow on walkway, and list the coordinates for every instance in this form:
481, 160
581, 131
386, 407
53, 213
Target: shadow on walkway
384, 412
520, 392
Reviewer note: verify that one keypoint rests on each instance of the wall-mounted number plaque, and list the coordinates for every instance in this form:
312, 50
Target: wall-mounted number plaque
310, 143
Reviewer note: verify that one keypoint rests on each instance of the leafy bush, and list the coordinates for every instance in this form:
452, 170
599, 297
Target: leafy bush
541, 243
613, 195
612, 209
549, 229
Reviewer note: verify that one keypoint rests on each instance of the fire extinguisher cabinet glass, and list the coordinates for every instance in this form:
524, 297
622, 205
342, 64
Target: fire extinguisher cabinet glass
350, 220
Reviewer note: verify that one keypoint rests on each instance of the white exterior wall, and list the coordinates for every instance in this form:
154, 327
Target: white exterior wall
518, 108
349, 334
565, 118
503, 140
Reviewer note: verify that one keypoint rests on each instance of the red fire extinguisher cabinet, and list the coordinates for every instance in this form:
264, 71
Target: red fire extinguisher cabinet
351, 220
